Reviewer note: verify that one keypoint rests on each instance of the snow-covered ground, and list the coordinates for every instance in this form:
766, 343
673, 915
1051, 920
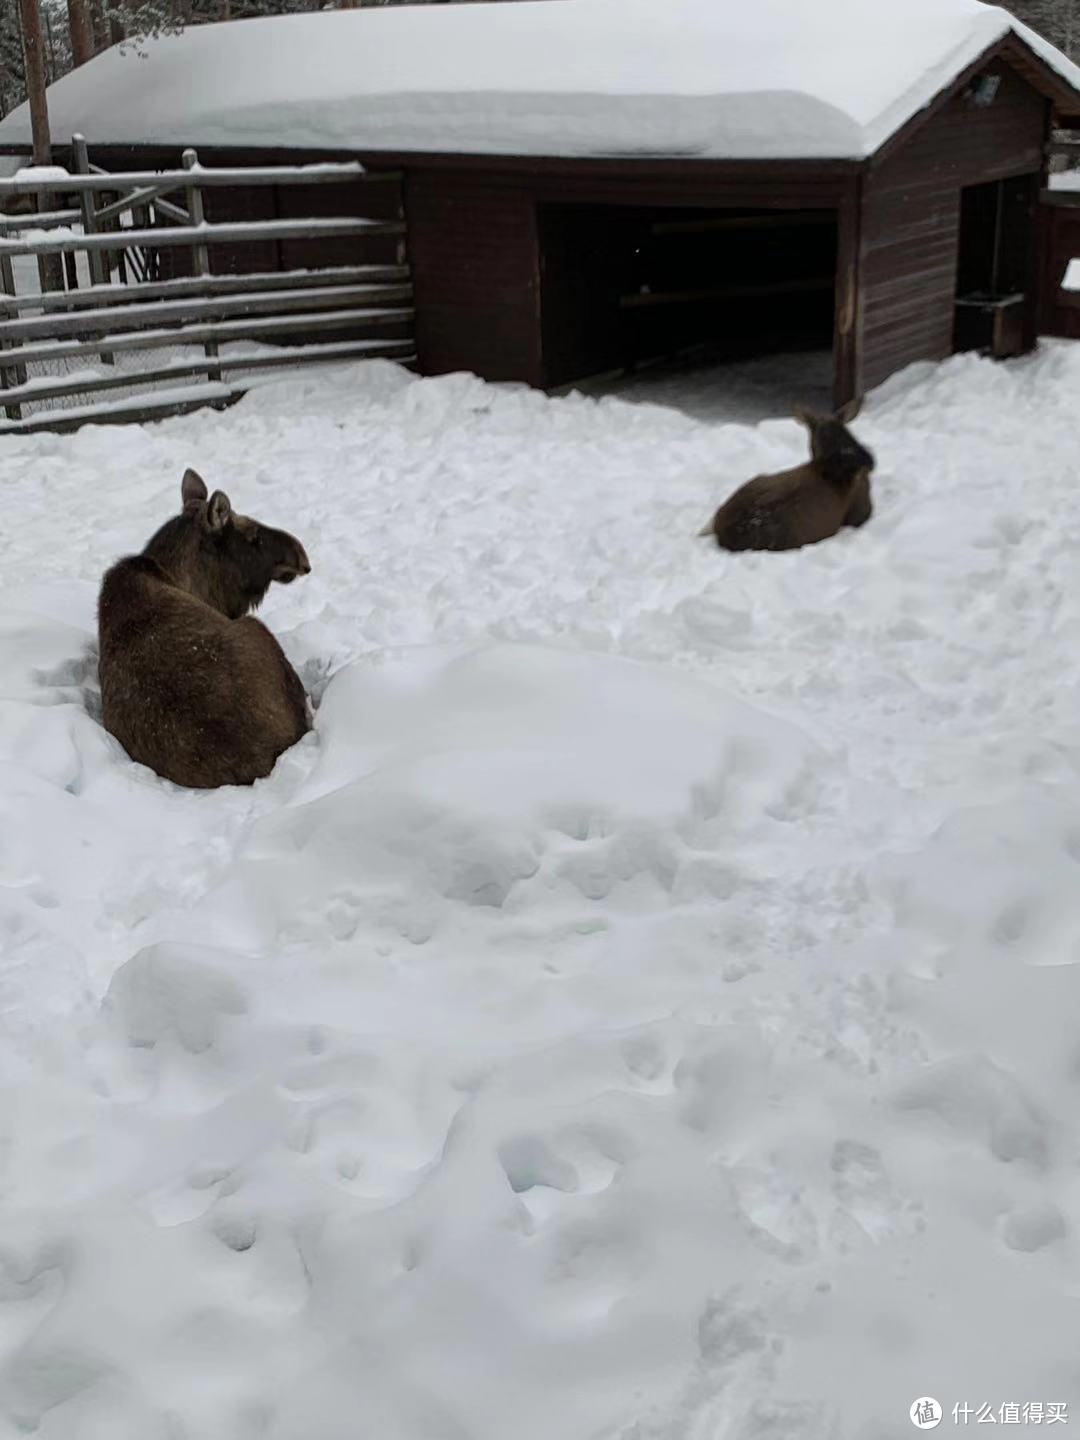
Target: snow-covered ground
645, 1009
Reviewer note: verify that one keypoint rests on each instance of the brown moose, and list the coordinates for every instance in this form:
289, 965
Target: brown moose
809, 503
191, 685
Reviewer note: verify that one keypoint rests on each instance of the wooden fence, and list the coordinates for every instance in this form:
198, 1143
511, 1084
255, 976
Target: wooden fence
129, 319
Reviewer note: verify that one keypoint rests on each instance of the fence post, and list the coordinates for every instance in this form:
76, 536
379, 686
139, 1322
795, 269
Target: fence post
7, 280
94, 258
200, 254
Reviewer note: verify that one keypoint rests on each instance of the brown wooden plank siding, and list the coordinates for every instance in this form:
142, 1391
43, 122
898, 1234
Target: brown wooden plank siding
846, 297
254, 203
474, 252
1060, 243
911, 221
374, 201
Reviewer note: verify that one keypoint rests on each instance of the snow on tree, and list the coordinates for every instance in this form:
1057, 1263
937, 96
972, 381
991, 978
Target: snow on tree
1057, 20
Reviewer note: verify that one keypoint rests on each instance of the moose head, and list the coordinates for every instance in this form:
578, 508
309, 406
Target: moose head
227, 560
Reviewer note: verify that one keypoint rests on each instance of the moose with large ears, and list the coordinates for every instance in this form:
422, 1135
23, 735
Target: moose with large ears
806, 504
192, 685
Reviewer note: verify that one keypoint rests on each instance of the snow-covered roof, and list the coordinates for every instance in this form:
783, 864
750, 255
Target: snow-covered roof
695, 78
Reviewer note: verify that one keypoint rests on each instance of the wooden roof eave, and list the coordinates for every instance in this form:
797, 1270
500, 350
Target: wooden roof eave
539, 165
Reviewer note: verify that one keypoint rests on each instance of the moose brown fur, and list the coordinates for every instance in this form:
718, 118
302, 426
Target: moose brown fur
191, 685
801, 506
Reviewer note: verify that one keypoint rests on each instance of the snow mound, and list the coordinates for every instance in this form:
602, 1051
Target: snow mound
507, 776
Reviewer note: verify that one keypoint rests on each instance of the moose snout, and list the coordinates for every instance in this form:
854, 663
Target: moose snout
298, 564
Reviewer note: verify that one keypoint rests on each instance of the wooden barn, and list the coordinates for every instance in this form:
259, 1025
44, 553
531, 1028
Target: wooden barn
589, 184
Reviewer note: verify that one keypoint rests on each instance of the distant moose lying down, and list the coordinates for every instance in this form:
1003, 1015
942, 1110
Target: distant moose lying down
191, 685
809, 503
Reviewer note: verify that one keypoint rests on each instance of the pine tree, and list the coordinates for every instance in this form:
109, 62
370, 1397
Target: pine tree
81, 31
1056, 20
36, 77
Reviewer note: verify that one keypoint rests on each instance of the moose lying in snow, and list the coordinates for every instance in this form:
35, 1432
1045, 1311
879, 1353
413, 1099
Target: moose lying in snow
801, 506
191, 685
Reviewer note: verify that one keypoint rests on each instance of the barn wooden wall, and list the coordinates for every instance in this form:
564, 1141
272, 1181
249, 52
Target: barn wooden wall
474, 252
911, 221
1060, 313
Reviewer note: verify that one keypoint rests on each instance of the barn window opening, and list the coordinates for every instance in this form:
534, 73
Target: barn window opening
993, 276
623, 286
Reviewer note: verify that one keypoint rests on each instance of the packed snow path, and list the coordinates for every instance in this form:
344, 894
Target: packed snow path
645, 1009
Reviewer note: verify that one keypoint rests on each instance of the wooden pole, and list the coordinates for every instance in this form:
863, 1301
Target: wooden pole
34, 59
201, 255
50, 50
50, 271
847, 323
99, 270
82, 31
16, 376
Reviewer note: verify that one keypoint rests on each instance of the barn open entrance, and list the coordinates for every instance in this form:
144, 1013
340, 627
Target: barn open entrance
994, 274
626, 285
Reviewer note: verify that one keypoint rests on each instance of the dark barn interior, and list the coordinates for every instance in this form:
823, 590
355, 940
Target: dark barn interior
994, 262
623, 285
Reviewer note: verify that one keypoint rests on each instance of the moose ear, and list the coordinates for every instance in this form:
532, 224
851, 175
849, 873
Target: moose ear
192, 487
804, 417
218, 511
849, 412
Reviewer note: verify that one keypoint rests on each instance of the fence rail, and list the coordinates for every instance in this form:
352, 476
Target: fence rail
218, 332
121, 317
286, 357
40, 220
46, 182
246, 231
118, 227
343, 275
